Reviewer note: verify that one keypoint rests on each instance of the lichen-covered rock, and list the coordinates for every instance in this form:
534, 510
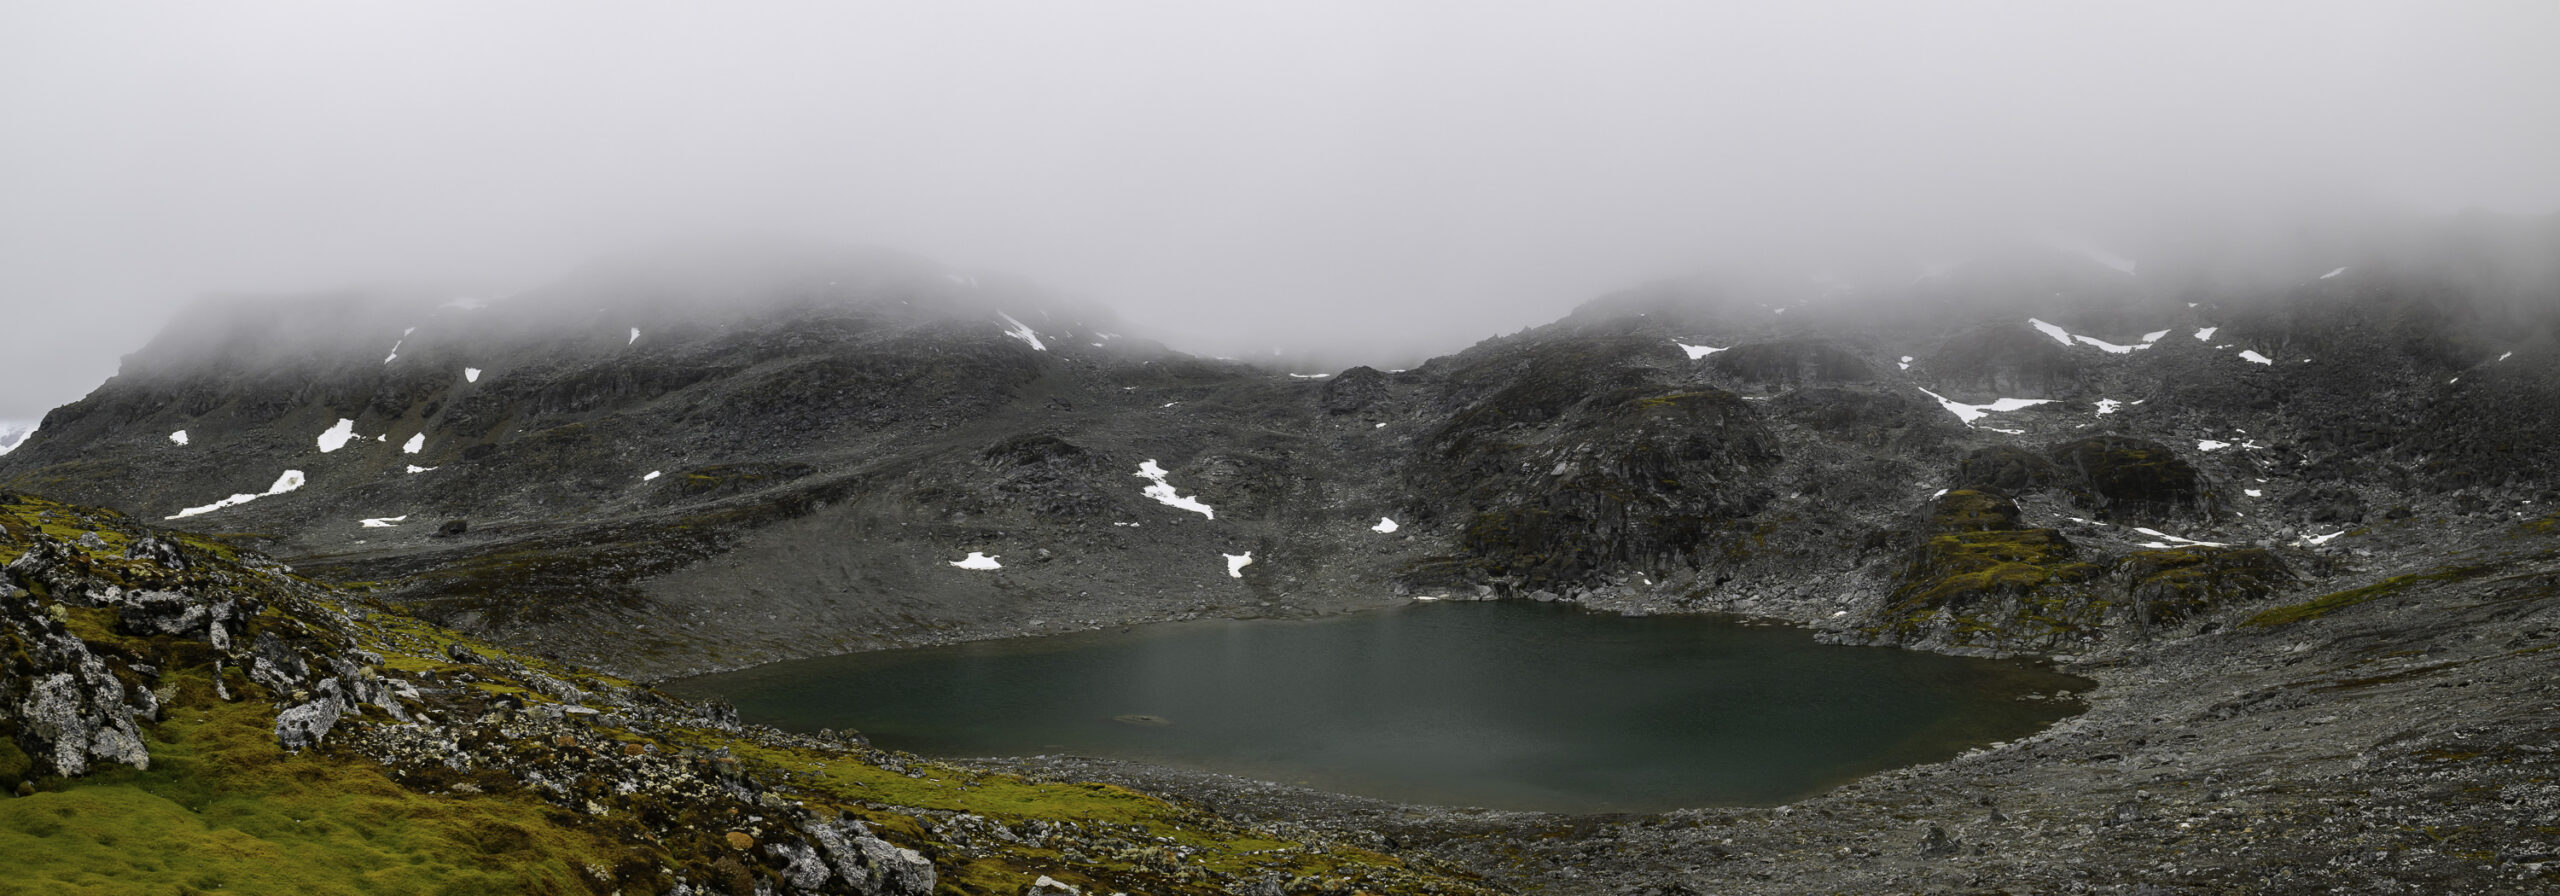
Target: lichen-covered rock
67, 708
304, 725
872, 866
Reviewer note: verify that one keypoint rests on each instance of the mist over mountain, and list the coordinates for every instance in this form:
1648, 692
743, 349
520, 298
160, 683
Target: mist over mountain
1358, 183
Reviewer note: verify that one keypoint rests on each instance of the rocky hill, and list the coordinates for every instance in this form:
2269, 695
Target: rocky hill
2273, 506
180, 715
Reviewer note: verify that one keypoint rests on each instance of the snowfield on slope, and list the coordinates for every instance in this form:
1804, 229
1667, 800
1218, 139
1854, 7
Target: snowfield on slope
1164, 494
338, 436
1972, 412
292, 479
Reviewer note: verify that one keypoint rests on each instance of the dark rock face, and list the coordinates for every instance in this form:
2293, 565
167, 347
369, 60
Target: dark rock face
2006, 360
2007, 469
2129, 479
1580, 462
1799, 362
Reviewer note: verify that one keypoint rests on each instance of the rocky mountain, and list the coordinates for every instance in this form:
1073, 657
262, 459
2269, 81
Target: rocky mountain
682, 461
2247, 493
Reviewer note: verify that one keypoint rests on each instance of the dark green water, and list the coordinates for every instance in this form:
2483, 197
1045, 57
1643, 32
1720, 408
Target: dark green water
1507, 705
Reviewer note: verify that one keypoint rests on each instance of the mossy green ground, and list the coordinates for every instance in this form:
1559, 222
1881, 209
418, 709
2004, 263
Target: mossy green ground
223, 809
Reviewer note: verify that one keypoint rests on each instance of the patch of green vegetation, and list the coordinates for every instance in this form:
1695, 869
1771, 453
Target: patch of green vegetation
2178, 583
1206, 844
1981, 580
222, 808
2339, 600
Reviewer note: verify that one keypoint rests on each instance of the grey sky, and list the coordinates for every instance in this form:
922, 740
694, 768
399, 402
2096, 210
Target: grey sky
1360, 174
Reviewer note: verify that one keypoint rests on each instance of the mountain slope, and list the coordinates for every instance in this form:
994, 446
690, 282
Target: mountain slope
670, 464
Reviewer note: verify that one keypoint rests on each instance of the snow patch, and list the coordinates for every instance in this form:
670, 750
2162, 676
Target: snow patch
414, 443
2333, 273
1164, 494
179, 437
1022, 332
414, 468
2506, 356
2253, 357
2181, 542
2206, 334
2211, 445
635, 336
1311, 376
1972, 412
1905, 362
470, 374
977, 560
2153, 336
1384, 525
337, 436
1236, 564
292, 479
2059, 334
1698, 351
383, 522
2112, 348
2108, 406
2310, 541
2254, 493
653, 474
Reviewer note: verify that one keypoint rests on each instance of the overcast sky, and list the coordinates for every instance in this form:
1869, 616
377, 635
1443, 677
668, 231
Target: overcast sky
1364, 174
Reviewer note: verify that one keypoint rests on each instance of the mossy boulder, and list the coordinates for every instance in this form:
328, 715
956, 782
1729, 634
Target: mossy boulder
2171, 586
1978, 580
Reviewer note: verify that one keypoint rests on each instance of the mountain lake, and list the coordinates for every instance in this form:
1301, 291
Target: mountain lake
1509, 705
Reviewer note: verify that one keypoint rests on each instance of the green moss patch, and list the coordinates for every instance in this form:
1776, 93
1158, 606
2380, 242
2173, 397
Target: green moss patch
223, 809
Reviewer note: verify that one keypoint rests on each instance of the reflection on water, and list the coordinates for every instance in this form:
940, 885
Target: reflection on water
1508, 705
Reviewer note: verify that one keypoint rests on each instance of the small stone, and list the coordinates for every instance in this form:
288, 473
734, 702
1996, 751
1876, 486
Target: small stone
26, 787
741, 840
